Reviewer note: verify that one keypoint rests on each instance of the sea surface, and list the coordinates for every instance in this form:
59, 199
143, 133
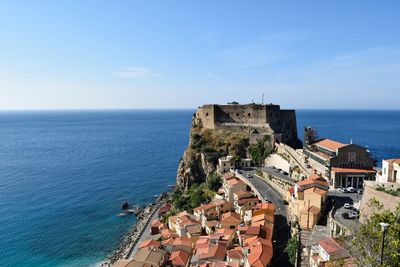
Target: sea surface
64, 174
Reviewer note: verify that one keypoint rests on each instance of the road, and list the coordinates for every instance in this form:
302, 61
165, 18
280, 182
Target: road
281, 228
276, 173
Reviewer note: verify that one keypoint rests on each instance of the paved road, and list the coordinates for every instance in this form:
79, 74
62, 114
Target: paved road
276, 173
281, 228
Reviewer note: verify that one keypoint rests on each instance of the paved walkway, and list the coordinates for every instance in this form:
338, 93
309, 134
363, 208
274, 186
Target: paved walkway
304, 237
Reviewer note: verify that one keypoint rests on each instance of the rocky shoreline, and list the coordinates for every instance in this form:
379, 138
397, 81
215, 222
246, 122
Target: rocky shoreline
131, 239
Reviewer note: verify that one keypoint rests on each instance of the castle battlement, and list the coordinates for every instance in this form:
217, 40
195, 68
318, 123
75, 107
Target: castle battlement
268, 120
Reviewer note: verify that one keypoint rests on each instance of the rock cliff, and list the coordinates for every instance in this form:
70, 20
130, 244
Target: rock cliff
205, 147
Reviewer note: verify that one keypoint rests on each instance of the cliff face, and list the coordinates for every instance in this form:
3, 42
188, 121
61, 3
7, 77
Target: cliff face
205, 147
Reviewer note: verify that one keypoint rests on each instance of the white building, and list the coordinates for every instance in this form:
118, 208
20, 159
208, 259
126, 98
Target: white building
390, 171
228, 163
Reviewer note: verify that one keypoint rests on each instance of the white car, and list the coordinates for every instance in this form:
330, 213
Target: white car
351, 189
347, 206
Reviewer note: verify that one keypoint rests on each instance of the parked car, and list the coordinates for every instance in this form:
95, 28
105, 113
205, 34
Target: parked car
239, 171
249, 175
343, 190
351, 189
347, 206
267, 200
359, 191
345, 215
285, 202
308, 166
279, 170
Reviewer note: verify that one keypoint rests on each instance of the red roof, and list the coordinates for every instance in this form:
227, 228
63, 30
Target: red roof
291, 190
316, 190
164, 209
330, 245
351, 170
312, 209
179, 258
150, 243
397, 161
229, 215
330, 144
235, 253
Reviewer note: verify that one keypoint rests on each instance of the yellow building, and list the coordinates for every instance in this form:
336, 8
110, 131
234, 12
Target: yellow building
306, 200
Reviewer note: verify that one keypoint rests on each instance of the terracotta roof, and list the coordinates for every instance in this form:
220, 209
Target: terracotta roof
228, 176
194, 229
313, 209
215, 252
150, 256
317, 190
235, 181
241, 193
264, 206
164, 209
169, 241
317, 177
212, 223
330, 245
150, 243
215, 263
179, 258
330, 144
351, 170
167, 233
227, 233
311, 182
397, 161
235, 253
185, 241
231, 216
156, 223
260, 255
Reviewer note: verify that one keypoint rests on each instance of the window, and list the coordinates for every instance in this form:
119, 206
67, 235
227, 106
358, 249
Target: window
384, 170
249, 115
237, 114
394, 176
207, 114
352, 156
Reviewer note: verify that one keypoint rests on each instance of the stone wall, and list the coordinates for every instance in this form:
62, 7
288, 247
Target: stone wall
388, 201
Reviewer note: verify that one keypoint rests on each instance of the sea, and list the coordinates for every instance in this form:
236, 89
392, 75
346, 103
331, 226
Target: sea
65, 174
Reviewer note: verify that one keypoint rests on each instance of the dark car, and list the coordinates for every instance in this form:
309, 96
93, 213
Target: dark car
345, 215
285, 202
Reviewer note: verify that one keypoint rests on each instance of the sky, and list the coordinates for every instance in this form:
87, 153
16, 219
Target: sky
182, 54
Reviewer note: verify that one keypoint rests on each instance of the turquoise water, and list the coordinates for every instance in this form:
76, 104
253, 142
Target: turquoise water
63, 175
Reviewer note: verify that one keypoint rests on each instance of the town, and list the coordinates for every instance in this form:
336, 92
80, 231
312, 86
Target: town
299, 206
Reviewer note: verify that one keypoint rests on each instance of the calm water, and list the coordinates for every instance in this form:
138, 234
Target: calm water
63, 175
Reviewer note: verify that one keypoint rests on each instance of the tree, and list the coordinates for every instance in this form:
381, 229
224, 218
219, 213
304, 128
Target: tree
367, 240
291, 249
260, 151
214, 182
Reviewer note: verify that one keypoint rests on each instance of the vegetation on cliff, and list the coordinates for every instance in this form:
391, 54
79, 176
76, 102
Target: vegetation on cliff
260, 151
196, 195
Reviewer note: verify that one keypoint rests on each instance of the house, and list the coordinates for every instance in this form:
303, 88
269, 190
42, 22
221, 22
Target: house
228, 163
149, 256
180, 258
390, 171
232, 185
182, 243
329, 251
150, 243
193, 230
343, 165
258, 254
228, 235
210, 226
230, 220
163, 210
212, 210
245, 204
235, 255
252, 233
306, 201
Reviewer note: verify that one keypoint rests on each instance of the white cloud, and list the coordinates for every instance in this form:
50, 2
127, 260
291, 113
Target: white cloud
135, 72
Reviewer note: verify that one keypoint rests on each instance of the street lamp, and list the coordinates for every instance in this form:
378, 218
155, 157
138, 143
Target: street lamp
384, 226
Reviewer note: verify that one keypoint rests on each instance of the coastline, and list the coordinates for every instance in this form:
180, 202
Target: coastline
132, 238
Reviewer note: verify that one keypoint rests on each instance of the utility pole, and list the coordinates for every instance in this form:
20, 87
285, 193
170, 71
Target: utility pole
262, 99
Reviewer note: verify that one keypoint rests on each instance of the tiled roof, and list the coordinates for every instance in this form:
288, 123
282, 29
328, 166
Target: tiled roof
316, 190
311, 182
351, 170
330, 144
212, 223
260, 255
194, 229
291, 190
230, 216
227, 233
179, 258
213, 251
235, 253
330, 245
185, 241
228, 176
150, 243
235, 181
397, 161
164, 209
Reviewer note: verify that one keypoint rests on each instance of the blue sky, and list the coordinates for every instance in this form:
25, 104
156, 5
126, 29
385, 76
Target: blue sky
181, 54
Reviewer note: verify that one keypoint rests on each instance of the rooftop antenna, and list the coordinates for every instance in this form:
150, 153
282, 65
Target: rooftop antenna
263, 98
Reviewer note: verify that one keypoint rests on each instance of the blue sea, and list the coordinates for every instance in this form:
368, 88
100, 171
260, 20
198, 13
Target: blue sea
64, 174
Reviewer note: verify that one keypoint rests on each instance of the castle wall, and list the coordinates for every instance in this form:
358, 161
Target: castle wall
282, 122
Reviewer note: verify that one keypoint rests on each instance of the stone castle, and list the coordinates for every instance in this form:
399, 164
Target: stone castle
258, 120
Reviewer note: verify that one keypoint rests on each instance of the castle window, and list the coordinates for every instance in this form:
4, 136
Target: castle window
207, 114
249, 115
237, 114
